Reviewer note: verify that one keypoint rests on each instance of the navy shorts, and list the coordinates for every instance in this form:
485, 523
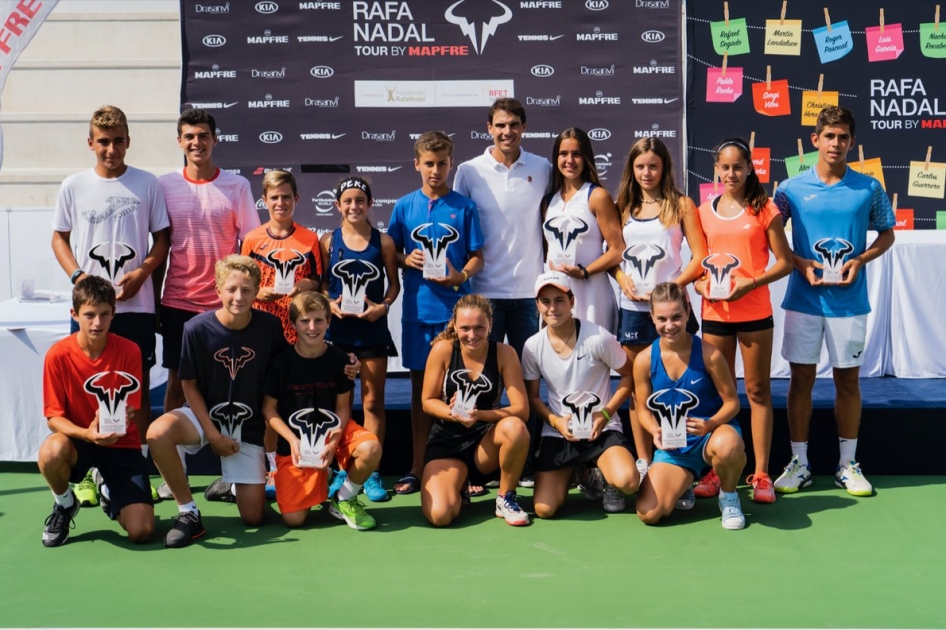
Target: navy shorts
137, 327
172, 332
416, 338
637, 328
124, 470
381, 351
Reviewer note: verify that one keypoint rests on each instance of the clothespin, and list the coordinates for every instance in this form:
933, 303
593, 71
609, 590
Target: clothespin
751, 141
784, 9
820, 84
801, 152
929, 153
881, 20
768, 77
827, 18
725, 61
894, 204
860, 156
936, 19
726, 13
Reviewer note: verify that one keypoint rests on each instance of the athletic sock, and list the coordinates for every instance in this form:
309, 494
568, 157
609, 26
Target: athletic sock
271, 458
66, 500
348, 490
800, 450
728, 495
188, 507
848, 451
144, 450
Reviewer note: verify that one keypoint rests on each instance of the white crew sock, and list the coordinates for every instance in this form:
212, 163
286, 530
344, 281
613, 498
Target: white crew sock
848, 451
66, 500
800, 450
348, 490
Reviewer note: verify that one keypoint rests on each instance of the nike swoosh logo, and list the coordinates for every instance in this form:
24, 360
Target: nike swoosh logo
552, 38
580, 357
335, 39
391, 169
670, 100
336, 136
228, 105
696, 381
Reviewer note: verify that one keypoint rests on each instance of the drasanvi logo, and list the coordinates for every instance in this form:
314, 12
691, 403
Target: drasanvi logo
454, 15
544, 102
321, 72
214, 41
596, 5
212, 8
543, 70
599, 134
266, 7
270, 137
653, 37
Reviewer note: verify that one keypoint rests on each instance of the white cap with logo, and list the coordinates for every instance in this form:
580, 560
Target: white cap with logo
555, 279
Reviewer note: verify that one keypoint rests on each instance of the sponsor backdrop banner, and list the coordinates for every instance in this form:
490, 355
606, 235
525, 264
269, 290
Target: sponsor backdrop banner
330, 88
764, 69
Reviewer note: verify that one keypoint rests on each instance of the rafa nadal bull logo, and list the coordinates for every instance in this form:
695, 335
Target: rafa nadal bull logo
468, 28
234, 364
562, 233
671, 407
230, 416
355, 275
313, 432
111, 390
642, 259
285, 268
832, 252
468, 389
112, 258
434, 245
720, 267
582, 405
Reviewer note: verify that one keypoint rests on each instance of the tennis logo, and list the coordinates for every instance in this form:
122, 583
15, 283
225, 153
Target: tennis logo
313, 431
285, 268
435, 245
234, 363
832, 252
671, 407
642, 259
111, 390
468, 28
468, 389
230, 417
112, 258
355, 275
582, 406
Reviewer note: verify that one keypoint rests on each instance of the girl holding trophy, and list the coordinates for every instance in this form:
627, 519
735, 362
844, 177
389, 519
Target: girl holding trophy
472, 434
688, 404
358, 261
742, 225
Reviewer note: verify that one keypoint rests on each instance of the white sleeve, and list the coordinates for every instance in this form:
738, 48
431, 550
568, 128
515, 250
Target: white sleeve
459, 181
608, 350
65, 205
530, 363
247, 216
159, 211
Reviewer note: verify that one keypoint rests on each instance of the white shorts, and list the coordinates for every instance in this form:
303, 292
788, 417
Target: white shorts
248, 465
844, 337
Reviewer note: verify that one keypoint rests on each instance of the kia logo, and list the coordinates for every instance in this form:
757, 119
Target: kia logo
270, 137
214, 41
652, 37
596, 5
543, 70
266, 7
321, 72
599, 134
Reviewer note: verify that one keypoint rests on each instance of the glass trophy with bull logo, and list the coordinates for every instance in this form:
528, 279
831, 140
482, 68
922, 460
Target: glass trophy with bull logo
562, 234
833, 252
720, 268
434, 243
642, 259
468, 389
671, 407
313, 427
112, 389
285, 269
582, 406
355, 275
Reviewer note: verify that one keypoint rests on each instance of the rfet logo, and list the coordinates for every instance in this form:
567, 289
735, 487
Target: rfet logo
459, 15
111, 388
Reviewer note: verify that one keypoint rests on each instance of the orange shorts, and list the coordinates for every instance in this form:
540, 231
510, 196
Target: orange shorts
302, 488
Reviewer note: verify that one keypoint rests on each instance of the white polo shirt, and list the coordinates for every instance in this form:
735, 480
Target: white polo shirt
508, 201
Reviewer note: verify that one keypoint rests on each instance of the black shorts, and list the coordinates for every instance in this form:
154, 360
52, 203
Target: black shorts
136, 327
172, 333
383, 350
463, 449
124, 470
556, 453
729, 329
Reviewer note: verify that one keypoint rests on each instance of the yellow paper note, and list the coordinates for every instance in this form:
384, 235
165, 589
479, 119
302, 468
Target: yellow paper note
871, 167
927, 182
783, 38
812, 103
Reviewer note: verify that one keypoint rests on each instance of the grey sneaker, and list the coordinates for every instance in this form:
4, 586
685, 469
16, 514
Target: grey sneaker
687, 500
164, 492
59, 523
591, 481
612, 499
732, 516
186, 528
220, 490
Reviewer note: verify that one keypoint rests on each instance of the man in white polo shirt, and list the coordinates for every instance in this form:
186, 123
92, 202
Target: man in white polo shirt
507, 184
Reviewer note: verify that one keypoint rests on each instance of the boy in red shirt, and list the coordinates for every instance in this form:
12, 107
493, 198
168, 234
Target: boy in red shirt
88, 375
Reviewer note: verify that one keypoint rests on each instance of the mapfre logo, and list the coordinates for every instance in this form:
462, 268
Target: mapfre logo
266, 7
599, 134
542, 70
270, 137
597, 5
653, 37
321, 72
455, 14
214, 41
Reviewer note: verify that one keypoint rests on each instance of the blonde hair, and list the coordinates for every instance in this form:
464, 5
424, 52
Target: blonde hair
309, 301
630, 195
273, 179
235, 262
108, 117
473, 301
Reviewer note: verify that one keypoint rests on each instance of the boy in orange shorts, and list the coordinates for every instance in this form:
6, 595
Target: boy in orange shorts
307, 402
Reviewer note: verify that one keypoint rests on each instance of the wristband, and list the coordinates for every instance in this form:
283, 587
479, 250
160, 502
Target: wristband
604, 412
75, 275
387, 308
754, 284
618, 275
584, 272
466, 276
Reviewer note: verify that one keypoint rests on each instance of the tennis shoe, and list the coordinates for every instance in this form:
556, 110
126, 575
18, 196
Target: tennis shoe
164, 492
591, 481
271, 484
642, 468
59, 523
708, 486
85, 491
335, 482
762, 490
374, 489
352, 512
733, 518
853, 480
526, 481
687, 500
795, 477
220, 490
612, 499
187, 527
507, 507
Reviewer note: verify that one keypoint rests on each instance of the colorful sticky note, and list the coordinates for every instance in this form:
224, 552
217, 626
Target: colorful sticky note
731, 38
772, 99
933, 40
886, 45
927, 182
783, 38
812, 103
833, 44
761, 161
904, 220
794, 165
941, 219
723, 88
871, 167
710, 191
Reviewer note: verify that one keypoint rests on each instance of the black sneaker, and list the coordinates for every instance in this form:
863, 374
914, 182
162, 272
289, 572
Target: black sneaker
220, 490
102, 490
187, 527
59, 522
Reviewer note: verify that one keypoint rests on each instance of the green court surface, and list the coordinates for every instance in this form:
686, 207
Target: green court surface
820, 558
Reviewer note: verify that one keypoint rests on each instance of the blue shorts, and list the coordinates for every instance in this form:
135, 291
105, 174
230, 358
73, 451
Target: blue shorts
124, 470
416, 338
692, 457
136, 327
636, 328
